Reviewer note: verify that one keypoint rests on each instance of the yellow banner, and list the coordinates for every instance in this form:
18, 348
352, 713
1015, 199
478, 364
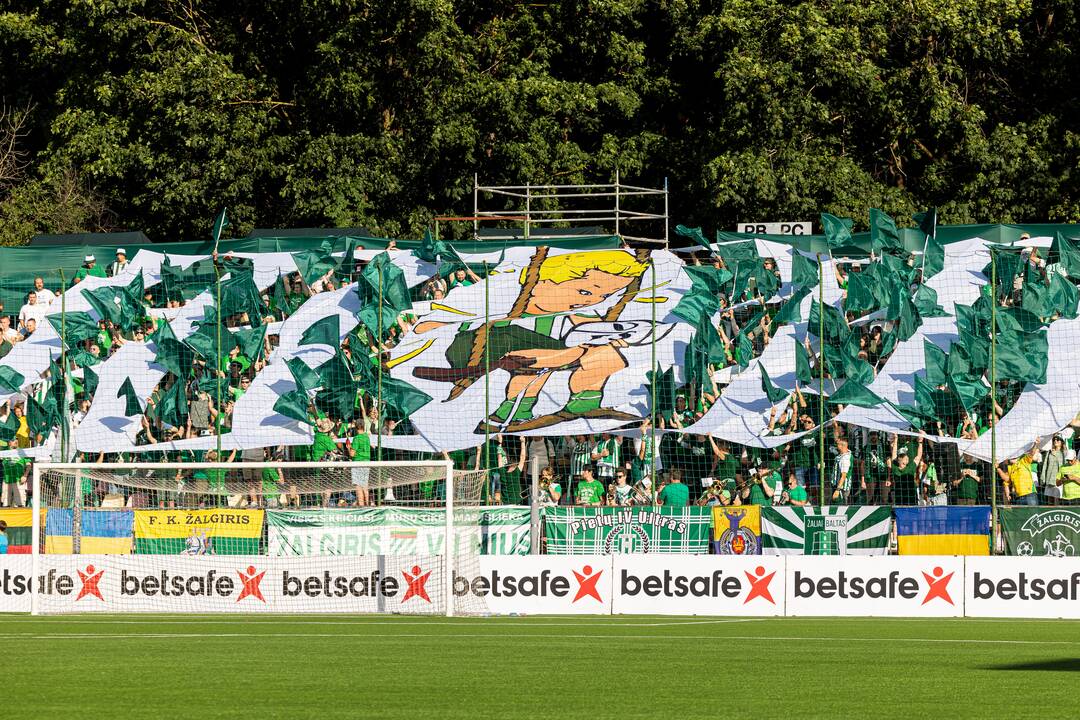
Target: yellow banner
156, 524
735, 517
19, 517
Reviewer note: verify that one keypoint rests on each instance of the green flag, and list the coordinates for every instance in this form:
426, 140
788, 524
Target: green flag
969, 392
774, 393
695, 235
935, 359
804, 271
430, 250
860, 297
934, 251
802, 364
744, 349
305, 378
324, 331
912, 414
240, 295
733, 252
170, 353
172, 407
293, 404
108, 303
90, 381
313, 264
251, 342
10, 379
1065, 252
837, 230
926, 303
664, 390
1022, 357
403, 397
833, 325
75, 328
8, 428
38, 420
220, 223
855, 393
883, 232
1063, 296
132, 406
696, 304
386, 281
791, 309
708, 278
927, 222
204, 341
337, 398
377, 317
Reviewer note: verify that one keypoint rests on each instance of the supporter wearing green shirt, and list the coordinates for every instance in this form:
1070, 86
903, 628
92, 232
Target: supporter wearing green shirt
89, 268
675, 494
15, 471
215, 477
795, 493
589, 491
764, 486
967, 485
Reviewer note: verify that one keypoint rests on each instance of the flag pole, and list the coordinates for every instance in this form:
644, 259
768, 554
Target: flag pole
64, 431
378, 365
487, 387
217, 383
821, 378
656, 373
993, 404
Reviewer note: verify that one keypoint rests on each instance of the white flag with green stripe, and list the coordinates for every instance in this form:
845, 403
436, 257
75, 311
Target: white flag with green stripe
865, 530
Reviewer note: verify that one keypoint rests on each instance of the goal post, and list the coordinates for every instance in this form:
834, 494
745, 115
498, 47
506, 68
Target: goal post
189, 537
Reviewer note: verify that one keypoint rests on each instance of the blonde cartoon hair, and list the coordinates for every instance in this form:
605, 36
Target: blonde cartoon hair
571, 266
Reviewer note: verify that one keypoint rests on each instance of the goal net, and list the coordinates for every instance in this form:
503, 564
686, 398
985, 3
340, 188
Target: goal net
286, 537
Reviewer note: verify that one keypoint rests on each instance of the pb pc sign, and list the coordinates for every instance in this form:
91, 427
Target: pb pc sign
776, 228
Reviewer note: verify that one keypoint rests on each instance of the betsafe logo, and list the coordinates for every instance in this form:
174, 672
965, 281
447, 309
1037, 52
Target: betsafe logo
166, 584
374, 584
893, 586
543, 584
90, 581
716, 585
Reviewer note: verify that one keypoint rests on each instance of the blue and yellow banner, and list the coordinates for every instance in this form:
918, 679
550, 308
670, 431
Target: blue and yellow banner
736, 530
103, 532
949, 530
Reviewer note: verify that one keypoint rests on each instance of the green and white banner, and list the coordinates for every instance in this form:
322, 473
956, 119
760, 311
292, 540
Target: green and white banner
840, 530
1041, 531
500, 530
606, 530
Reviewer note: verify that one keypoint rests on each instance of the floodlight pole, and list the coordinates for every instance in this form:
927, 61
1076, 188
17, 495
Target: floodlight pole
656, 372
487, 381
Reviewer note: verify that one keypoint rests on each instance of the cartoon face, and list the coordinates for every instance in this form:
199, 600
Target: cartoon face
591, 289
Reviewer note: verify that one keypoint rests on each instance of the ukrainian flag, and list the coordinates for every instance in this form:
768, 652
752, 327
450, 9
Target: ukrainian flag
945, 530
104, 532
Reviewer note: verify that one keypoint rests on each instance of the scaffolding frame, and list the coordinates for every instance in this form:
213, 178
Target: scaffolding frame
608, 208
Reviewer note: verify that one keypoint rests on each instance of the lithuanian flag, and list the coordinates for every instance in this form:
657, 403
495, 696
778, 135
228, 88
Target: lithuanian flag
102, 532
945, 530
19, 529
172, 532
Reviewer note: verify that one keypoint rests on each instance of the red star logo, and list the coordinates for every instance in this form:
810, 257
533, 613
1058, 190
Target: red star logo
251, 584
939, 586
90, 581
416, 583
587, 583
759, 585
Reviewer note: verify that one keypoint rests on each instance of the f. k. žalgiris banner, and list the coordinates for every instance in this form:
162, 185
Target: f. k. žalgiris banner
398, 531
605, 530
1041, 531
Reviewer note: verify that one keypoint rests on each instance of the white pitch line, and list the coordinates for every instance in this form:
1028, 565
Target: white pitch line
540, 636
362, 623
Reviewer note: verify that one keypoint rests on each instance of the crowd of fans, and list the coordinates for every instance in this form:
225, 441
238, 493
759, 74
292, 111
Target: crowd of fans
648, 466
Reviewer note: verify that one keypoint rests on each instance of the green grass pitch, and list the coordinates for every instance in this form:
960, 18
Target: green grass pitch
196, 667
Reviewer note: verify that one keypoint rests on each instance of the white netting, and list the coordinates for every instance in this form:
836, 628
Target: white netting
256, 537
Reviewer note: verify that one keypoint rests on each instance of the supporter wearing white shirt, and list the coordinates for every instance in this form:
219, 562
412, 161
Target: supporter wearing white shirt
44, 295
8, 333
32, 311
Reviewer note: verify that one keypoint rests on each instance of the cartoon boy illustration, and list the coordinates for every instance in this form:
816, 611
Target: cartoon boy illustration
564, 318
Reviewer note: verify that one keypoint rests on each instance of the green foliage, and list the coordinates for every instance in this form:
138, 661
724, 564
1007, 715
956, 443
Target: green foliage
155, 115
